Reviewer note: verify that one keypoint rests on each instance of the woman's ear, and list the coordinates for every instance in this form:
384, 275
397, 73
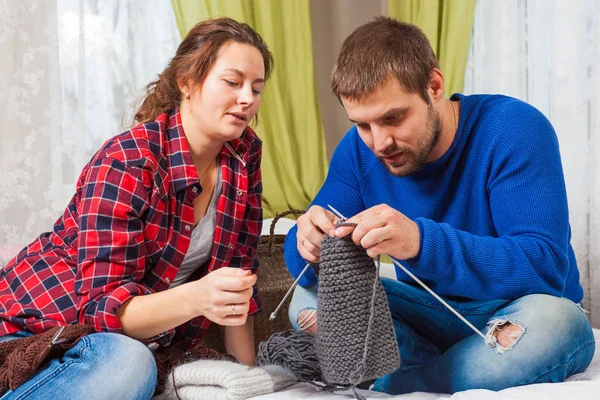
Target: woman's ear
183, 87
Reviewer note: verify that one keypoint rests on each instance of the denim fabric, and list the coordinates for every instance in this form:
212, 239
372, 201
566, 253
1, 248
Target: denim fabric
107, 366
441, 354
303, 298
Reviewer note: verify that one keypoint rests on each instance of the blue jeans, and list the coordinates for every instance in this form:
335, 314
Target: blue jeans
441, 354
100, 366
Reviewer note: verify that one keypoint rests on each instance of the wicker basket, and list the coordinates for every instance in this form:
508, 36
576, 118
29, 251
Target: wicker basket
274, 280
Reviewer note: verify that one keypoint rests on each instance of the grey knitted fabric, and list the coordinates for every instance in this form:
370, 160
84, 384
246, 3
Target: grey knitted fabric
346, 328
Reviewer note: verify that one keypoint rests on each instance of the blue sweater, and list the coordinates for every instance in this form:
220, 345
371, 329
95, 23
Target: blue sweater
492, 211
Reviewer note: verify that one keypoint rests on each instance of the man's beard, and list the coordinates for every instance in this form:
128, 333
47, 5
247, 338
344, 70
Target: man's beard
412, 161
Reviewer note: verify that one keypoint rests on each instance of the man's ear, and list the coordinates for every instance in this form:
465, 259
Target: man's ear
436, 86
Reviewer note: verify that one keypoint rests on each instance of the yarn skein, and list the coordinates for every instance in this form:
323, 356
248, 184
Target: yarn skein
293, 350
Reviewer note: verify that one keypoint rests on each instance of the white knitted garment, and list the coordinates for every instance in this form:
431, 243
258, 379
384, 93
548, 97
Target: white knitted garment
219, 380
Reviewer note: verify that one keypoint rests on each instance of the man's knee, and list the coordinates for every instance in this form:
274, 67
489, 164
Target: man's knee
504, 334
549, 319
302, 310
307, 320
560, 317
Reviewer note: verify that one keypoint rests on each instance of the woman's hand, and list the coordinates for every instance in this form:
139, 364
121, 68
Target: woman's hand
223, 295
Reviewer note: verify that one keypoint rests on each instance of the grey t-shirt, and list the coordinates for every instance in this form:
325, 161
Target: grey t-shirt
202, 240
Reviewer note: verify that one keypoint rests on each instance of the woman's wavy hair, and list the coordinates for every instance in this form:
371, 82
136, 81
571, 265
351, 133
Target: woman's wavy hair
194, 58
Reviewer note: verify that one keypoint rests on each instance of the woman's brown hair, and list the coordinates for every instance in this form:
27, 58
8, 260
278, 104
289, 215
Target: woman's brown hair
193, 60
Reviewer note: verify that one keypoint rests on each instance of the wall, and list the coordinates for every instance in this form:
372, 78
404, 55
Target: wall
332, 22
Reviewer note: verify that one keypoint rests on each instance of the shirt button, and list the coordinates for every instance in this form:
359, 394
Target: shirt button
239, 192
168, 280
230, 246
195, 189
187, 228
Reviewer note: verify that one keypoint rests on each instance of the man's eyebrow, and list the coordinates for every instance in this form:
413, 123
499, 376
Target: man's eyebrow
241, 74
397, 111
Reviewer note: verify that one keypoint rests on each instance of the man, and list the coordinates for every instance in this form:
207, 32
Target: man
468, 194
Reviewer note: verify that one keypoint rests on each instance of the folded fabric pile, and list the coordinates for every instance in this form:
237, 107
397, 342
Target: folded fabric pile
220, 380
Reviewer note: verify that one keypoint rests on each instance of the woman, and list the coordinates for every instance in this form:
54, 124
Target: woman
160, 236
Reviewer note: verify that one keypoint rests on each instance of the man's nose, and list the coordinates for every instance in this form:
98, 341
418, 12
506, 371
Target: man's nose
381, 139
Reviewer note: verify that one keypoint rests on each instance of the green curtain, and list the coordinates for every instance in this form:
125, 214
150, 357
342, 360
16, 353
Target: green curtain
447, 24
294, 161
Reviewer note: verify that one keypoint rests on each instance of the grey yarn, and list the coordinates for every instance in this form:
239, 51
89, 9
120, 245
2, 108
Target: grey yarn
294, 351
355, 339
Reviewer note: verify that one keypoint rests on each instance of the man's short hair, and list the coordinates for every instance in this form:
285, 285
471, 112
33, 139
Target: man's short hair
379, 50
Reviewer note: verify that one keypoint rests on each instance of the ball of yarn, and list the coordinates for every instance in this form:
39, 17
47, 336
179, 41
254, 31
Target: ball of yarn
293, 350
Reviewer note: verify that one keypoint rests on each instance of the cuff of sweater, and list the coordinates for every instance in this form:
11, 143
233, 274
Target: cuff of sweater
421, 222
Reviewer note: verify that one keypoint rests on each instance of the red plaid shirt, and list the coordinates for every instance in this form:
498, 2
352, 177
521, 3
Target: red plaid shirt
126, 232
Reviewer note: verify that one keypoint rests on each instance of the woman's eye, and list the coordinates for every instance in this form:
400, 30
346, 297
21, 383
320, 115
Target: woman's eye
257, 92
230, 83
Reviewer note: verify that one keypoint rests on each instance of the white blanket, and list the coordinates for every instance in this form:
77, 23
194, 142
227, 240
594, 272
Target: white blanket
585, 386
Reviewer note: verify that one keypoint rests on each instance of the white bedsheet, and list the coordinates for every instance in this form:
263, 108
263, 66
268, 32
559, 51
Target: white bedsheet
581, 387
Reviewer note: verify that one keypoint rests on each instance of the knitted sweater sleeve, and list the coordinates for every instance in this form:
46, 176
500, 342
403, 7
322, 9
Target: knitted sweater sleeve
528, 203
339, 190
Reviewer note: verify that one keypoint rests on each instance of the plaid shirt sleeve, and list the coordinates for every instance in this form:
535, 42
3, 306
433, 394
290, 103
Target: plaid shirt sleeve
111, 255
252, 224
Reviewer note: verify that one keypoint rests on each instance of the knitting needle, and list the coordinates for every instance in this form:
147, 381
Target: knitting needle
448, 306
274, 313
57, 335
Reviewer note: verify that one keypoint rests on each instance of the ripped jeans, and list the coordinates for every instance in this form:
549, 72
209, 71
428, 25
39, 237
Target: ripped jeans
441, 354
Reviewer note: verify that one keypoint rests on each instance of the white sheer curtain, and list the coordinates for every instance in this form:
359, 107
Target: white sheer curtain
70, 70
547, 52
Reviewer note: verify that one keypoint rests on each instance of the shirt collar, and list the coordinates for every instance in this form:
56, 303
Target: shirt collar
181, 166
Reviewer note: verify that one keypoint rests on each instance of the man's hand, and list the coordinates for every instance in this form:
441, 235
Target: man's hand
384, 230
312, 225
